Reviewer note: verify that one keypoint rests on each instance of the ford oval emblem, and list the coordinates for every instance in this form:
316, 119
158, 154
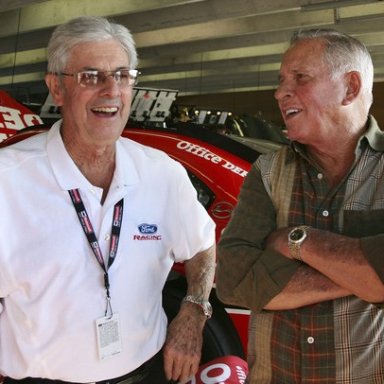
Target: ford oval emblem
147, 228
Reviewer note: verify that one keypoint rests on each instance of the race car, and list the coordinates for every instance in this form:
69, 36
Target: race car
217, 157
14, 116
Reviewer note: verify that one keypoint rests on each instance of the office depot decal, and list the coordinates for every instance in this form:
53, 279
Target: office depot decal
206, 154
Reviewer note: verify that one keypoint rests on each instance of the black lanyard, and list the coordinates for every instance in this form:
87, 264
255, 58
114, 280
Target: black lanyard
92, 239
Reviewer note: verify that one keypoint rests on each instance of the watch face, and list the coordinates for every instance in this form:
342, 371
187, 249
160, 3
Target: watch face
297, 234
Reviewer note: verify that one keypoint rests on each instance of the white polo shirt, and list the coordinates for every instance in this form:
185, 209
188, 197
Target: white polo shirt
51, 285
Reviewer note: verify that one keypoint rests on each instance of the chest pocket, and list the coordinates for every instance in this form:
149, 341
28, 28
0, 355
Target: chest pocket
363, 223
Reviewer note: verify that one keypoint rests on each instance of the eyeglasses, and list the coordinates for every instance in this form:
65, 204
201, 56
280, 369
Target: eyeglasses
92, 78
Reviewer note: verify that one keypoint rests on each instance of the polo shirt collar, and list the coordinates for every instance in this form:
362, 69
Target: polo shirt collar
68, 174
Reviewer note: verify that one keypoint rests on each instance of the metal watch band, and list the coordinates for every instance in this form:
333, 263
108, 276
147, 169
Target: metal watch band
295, 251
203, 304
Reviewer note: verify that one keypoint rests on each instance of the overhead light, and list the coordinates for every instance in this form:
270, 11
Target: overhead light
334, 4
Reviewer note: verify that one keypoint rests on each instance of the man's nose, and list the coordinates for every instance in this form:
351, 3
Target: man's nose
283, 90
111, 85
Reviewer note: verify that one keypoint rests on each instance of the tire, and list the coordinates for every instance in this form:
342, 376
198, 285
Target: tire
220, 337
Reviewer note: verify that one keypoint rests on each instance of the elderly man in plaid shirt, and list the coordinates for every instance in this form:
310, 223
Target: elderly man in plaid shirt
304, 248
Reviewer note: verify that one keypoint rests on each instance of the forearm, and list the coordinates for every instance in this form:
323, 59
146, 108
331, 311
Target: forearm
307, 286
200, 272
338, 258
182, 349
341, 259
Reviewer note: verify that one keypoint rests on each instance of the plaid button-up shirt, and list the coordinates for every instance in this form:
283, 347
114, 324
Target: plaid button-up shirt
339, 341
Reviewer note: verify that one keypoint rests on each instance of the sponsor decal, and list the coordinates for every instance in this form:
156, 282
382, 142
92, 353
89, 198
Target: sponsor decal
12, 120
147, 232
223, 370
206, 154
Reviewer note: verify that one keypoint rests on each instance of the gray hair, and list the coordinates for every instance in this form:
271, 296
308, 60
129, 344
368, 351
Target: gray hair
83, 30
343, 53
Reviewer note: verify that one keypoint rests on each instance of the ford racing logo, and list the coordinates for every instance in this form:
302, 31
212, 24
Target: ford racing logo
147, 228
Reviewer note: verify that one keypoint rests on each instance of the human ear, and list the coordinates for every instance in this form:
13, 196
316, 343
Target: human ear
55, 88
353, 87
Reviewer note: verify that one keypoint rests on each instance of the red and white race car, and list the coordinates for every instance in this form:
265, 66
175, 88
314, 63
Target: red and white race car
14, 116
216, 163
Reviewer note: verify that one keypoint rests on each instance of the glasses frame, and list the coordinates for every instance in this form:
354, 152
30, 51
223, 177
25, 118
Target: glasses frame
101, 77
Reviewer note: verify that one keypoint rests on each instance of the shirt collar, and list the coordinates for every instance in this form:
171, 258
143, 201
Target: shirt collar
68, 174
374, 135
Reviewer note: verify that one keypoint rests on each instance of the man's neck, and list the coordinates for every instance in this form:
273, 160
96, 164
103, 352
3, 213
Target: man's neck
97, 164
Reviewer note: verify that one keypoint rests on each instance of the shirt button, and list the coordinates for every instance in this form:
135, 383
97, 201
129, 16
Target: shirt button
310, 340
325, 213
107, 237
320, 176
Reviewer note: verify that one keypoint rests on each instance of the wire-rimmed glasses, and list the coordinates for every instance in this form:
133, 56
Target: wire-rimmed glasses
93, 78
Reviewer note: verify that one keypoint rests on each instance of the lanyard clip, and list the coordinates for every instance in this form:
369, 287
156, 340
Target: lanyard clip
108, 310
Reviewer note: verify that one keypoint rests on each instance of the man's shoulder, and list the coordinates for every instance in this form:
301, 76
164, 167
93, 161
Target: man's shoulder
22, 151
138, 149
283, 155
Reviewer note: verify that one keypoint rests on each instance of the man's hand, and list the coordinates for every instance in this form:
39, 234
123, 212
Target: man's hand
182, 349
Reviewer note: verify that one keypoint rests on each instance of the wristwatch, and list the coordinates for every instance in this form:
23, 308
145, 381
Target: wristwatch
295, 238
203, 304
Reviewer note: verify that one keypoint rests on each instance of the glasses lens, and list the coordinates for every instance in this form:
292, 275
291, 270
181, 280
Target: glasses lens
127, 77
134, 75
123, 77
88, 78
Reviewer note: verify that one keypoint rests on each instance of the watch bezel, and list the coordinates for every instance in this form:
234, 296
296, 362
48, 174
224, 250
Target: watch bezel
294, 243
294, 231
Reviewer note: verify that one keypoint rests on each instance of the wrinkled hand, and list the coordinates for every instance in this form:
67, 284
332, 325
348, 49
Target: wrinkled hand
182, 349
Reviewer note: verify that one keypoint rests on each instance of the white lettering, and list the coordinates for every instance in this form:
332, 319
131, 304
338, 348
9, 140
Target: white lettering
13, 119
206, 154
241, 375
216, 159
235, 169
219, 379
30, 119
183, 144
199, 151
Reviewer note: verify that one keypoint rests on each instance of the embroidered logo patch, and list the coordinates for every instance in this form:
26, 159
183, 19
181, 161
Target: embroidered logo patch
147, 228
147, 232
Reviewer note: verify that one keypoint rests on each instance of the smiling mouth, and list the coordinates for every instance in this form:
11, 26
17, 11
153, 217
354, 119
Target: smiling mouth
105, 111
292, 112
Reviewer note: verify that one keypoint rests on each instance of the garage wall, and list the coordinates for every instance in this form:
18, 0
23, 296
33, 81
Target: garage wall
263, 102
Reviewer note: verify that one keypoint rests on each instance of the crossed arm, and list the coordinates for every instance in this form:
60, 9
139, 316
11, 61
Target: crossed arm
255, 269
334, 266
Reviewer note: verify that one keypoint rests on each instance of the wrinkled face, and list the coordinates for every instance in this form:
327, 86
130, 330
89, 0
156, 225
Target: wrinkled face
94, 115
310, 101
